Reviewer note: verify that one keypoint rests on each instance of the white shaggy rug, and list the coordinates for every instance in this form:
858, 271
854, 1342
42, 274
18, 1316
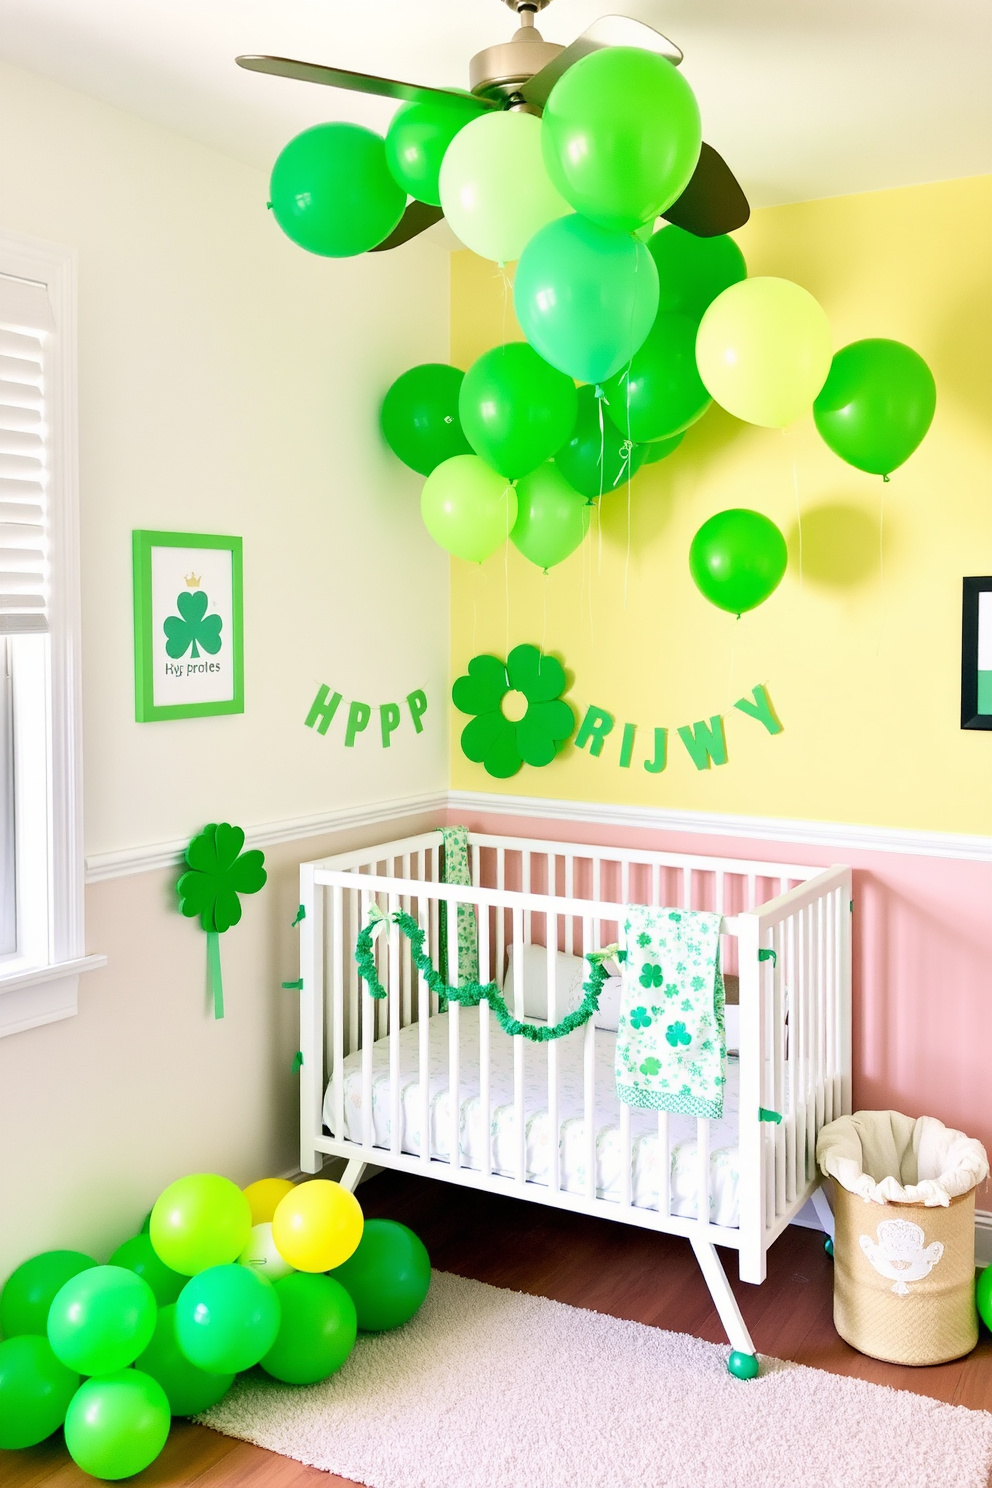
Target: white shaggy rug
488, 1388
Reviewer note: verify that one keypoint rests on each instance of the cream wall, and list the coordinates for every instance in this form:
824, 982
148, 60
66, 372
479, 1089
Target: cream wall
228, 382
863, 665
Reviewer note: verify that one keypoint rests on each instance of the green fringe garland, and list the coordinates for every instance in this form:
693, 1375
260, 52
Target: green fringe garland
472, 993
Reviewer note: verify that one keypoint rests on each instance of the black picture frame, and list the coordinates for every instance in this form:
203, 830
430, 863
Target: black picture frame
972, 589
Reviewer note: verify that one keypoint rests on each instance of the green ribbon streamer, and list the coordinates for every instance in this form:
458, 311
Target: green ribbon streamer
765, 1115
768, 955
296, 986
470, 994
297, 1062
213, 969
301, 914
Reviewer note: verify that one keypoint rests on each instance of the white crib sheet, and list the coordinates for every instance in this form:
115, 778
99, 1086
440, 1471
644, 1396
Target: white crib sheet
572, 1145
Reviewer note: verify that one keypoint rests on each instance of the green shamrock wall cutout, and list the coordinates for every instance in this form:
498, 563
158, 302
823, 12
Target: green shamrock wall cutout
192, 625
217, 872
520, 717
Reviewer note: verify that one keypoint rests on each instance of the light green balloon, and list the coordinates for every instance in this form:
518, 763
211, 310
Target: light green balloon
763, 350
552, 518
495, 188
467, 508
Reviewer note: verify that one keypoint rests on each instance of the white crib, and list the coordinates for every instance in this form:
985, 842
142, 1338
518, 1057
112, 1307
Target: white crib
785, 934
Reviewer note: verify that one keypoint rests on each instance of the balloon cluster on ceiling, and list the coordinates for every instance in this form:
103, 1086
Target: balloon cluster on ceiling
653, 326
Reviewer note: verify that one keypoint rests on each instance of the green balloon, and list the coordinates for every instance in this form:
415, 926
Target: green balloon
117, 1424
552, 518
515, 409
388, 1275
467, 508
420, 419
596, 459
661, 392
101, 1320
138, 1255
621, 136
983, 1296
737, 559
35, 1390
585, 297
199, 1221
660, 449
30, 1289
416, 141
876, 404
332, 193
317, 1332
188, 1389
693, 271
226, 1319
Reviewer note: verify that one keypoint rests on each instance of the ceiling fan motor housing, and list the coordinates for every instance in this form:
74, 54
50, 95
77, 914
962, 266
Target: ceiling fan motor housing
500, 71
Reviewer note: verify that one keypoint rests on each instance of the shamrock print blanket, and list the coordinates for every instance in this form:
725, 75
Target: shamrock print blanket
671, 1047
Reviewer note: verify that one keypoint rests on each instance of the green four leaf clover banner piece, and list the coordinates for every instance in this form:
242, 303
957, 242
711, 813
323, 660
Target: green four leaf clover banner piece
217, 873
520, 717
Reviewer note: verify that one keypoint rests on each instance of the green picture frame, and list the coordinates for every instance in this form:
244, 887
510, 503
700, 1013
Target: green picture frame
188, 664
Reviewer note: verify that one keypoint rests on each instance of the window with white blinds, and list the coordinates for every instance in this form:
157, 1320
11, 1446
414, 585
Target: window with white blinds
26, 324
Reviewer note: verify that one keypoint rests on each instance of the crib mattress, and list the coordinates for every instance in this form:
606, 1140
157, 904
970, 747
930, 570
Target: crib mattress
571, 1143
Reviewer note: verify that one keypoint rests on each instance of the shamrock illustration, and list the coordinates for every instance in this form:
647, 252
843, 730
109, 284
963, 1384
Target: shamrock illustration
217, 872
651, 1066
520, 717
643, 939
192, 624
676, 1034
651, 976
672, 915
698, 984
639, 1018
671, 990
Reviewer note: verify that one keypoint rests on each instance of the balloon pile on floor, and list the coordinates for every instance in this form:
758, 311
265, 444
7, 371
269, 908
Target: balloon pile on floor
654, 325
219, 1280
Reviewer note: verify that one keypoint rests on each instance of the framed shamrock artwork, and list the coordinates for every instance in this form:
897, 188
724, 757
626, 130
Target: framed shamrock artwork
976, 654
188, 652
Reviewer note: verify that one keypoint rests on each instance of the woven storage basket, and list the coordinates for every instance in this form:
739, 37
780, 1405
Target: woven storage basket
904, 1278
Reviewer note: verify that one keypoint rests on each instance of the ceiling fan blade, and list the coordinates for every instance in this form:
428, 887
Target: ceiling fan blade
363, 82
713, 202
608, 31
417, 218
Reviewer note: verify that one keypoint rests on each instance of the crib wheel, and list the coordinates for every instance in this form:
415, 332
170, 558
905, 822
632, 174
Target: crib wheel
743, 1366
828, 1246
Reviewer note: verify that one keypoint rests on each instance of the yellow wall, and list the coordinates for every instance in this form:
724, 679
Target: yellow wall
861, 658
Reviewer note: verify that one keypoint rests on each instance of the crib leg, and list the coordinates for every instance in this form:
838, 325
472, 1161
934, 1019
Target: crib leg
352, 1175
743, 1360
824, 1213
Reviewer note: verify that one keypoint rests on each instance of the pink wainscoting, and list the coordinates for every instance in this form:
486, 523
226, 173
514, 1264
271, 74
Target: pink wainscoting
922, 964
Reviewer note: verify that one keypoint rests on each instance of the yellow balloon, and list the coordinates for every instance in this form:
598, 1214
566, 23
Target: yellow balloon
763, 350
317, 1226
263, 1197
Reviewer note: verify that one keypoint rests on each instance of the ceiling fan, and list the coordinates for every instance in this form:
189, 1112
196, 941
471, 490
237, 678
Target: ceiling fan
520, 74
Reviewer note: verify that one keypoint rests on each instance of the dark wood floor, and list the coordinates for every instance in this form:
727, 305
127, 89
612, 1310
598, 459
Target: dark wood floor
586, 1262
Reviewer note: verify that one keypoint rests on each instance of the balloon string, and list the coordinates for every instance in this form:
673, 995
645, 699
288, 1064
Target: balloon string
544, 630
506, 565
628, 449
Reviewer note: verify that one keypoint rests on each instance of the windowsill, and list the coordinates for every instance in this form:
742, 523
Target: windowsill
43, 994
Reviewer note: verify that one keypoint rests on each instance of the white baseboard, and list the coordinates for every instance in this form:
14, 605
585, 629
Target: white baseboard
840, 835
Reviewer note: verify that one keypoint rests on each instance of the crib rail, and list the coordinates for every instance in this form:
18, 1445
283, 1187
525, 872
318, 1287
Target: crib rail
570, 899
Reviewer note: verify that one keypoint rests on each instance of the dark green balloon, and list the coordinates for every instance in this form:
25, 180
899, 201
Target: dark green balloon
661, 393
416, 141
332, 192
117, 1424
593, 461
387, 1277
35, 1390
317, 1331
516, 410
876, 404
188, 1389
660, 449
419, 417
138, 1255
693, 271
737, 559
31, 1288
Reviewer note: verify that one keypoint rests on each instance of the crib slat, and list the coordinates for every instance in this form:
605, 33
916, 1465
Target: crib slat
554, 1013
355, 924
520, 1127
589, 1080
500, 916
568, 889
394, 1013
337, 1006
368, 1039
687, 887
406, 963
485, 1091
423, 1045
454, 1045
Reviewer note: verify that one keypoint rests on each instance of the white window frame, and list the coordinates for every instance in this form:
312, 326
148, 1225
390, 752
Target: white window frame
39, 982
